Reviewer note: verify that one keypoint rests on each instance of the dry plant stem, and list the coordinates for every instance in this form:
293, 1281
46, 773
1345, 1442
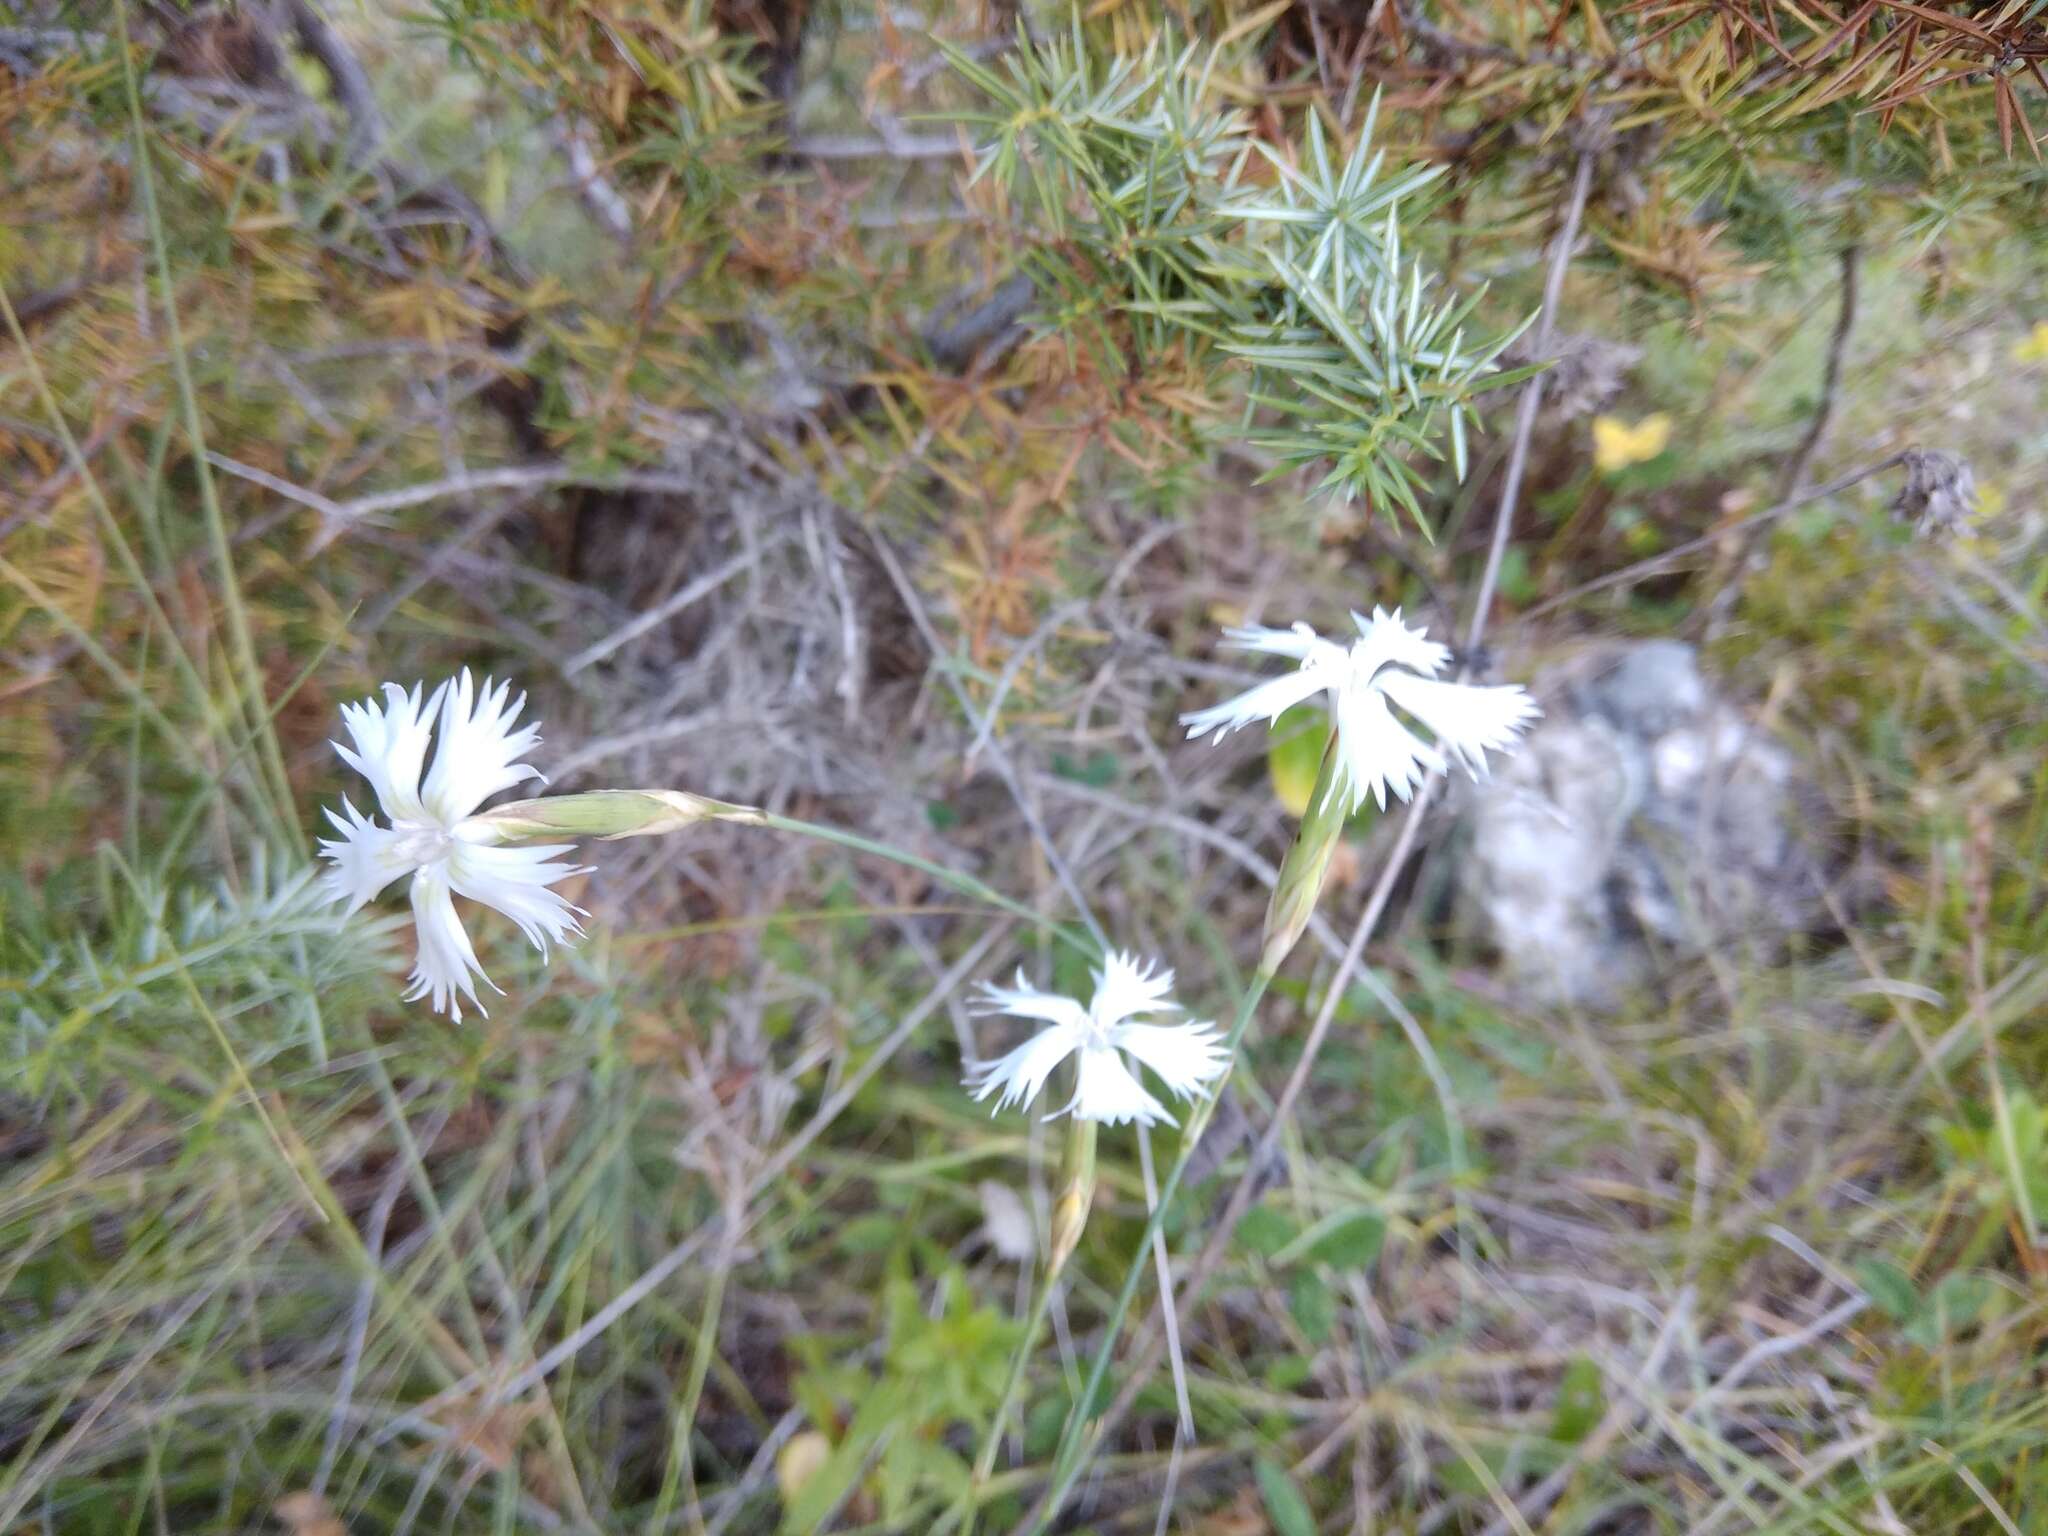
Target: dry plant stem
1164, 1265
1072, 1454
346, 76
1618, 1421
1368, 922
900, 579
1530, 403
1657, 564
1800, 466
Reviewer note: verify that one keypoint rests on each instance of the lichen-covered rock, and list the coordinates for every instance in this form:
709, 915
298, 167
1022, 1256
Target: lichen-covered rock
1645, 820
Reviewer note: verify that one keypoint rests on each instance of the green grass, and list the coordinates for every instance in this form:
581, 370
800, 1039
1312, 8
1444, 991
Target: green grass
1757, 1252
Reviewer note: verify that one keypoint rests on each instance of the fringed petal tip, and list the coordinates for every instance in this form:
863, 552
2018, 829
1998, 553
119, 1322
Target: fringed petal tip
1020, 1075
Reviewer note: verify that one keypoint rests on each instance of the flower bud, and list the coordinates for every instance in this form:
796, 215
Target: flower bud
1307, 863
603, 813
1077, 1193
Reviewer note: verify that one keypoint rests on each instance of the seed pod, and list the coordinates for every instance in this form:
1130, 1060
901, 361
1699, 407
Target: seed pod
1939, 495
1077, 1194
604, 813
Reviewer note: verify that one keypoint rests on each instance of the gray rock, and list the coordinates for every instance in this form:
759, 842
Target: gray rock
1645, 820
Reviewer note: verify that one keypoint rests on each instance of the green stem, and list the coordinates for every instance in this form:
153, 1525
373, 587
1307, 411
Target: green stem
681, 1459
967, 885
1067, 1461
1013, 1386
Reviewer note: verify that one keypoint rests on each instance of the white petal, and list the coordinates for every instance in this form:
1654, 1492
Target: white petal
477, 751
515, 881
1268, 701
366, 857
1107, 1092
1024, 1001
1020, 1076
390, 744
1383, 639
1378, 752
446, 958
1297, 640
1127, 985
1187, 1057
1466, 721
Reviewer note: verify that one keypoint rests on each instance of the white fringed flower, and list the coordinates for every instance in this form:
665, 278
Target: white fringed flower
1388, 662
434, 835
1187, 1057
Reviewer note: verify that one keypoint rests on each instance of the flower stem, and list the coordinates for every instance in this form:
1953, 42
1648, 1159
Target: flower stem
1013, 1388
1069, 1219
611, 814
966, 885
1067, 1460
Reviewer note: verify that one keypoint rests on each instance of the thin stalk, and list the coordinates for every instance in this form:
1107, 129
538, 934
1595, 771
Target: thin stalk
123, 550
1063, 1236
1013, 1386
967, 885
243, 1081
209, 500
1067, 1461
681, 1464
1162, 1262
1529, 404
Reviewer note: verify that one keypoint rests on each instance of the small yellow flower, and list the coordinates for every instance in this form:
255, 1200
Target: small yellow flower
2035, 348
1616, 444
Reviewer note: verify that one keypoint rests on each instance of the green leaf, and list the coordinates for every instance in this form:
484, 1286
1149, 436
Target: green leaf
1890, 1288
1097, 771
911, 1465
1581, 1401
1285, 1373
1315, 1311
1042, 1425
834, 1481
1353, 1242
870, 1234
1952, 1309
1516, 585
1265, 1231
1285, 1506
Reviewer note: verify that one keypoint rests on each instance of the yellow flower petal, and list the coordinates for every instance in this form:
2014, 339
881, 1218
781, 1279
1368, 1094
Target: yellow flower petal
1616, 444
